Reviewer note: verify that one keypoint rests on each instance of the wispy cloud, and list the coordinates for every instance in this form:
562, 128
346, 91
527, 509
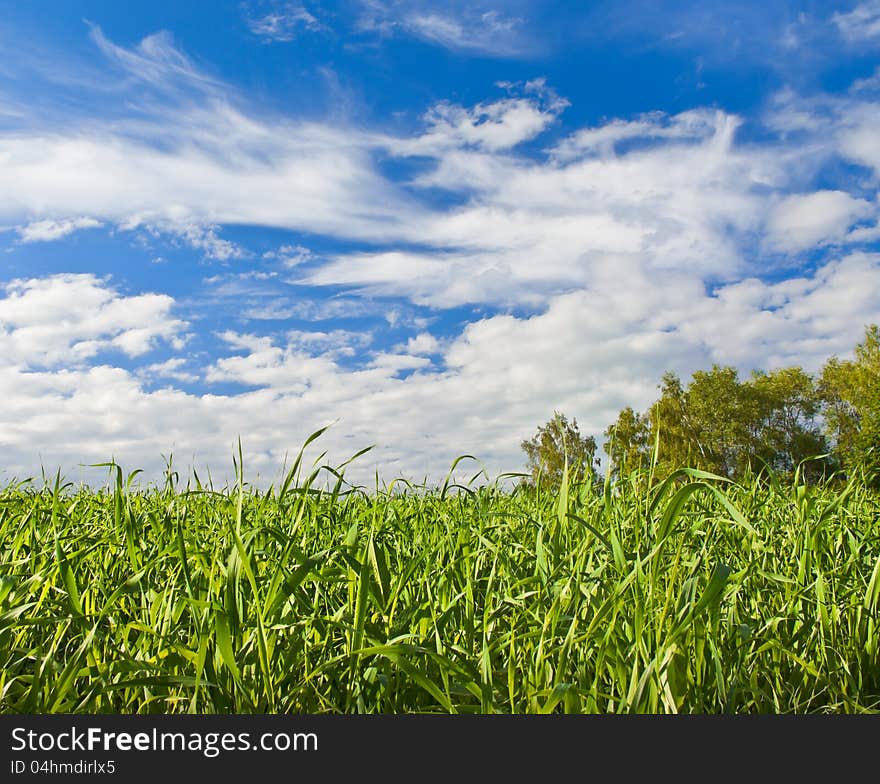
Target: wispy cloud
678, 191
792, 39
475, 30
281, 22
50, 230
198, 235
190, 158
531, 228
155, 60
862, 23
290, 255
489, 32
492, 127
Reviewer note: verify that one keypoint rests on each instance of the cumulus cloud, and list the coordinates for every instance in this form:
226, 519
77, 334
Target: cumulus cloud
423, 343
803, 221
173, 368
286, 369
800, 320
590, 353
68, 319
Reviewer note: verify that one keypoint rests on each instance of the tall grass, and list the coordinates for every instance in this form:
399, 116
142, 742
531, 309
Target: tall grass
697, 595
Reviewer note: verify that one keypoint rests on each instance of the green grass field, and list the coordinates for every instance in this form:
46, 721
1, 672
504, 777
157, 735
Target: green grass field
696, 595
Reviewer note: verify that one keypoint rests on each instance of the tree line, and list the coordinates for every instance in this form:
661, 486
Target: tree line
826, 423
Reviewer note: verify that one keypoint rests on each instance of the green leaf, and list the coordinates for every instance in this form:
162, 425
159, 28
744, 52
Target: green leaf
224, 642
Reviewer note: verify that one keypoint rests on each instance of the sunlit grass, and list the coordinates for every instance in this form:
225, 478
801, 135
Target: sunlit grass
697, 595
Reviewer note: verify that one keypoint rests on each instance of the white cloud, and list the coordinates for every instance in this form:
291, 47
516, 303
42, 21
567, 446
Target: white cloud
288, 369
423, 343
801, 320
680, 190
825, 126
198, 236
590, 353
858, 139
869, 83
68, 319
314, 179
283, 23
530, 229
862, 23
50, 230
603, 140
335, 343
494, 126
394, 363
156, 61
864, 234
187, 158
489, 32
474, 30
804, 221
290, 255
171, 368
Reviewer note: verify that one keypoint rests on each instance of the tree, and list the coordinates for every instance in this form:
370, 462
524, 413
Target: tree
628, 443
782, 419
720, 411
785, 426
721, 424
850, 391
555, 442
669, 418
631, 440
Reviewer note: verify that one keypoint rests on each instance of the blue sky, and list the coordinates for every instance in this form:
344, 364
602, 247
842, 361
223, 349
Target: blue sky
429, 224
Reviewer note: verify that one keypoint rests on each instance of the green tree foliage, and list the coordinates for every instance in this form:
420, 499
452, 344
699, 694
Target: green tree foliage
787, 430
721, 412
722, 424
627, 442
555, 442
669, 414
780, 419
850, 391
